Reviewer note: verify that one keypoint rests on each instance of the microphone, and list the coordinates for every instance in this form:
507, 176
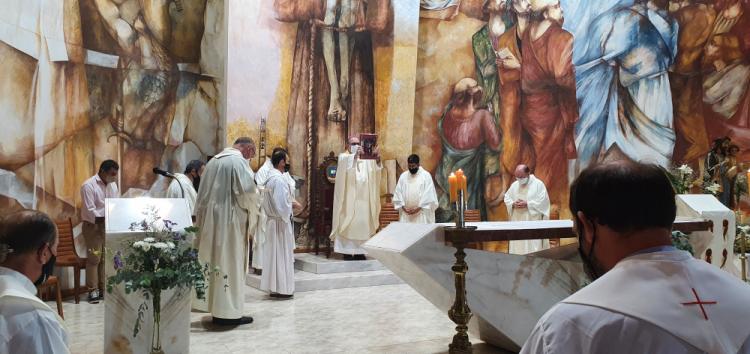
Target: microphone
159, 171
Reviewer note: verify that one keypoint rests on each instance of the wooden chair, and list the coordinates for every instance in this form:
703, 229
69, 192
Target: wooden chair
472, 215
387, 215
67, 256
43, 292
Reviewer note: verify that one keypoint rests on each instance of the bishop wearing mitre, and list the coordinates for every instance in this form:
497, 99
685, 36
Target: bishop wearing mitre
356, 201
415, 197
527, 200
226, 212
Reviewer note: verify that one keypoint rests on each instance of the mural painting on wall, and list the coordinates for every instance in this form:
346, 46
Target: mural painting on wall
332, 78
560, 85
134, 81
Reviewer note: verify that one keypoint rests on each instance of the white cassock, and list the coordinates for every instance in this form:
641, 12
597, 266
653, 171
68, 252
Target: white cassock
538, 207
27, 324
226, 213
182, 187
278, 250
259, 238
648, 304
356, 204
416, 191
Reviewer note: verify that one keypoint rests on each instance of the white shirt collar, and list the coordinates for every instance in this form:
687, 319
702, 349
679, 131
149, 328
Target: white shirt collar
20, 278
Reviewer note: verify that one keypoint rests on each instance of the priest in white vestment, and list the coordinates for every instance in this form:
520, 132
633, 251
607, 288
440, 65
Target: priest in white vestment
415, 197
185, 185
527, 200
28, 246
356, 202
226, 212
647, 296
278, 249
259, 238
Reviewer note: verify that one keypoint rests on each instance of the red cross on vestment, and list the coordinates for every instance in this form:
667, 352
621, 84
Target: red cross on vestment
699, 303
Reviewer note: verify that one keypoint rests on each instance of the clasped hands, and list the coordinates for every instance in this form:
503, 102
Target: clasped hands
520, 204
412, 211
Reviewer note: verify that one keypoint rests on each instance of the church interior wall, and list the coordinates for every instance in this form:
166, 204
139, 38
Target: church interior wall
78, 92
71, 102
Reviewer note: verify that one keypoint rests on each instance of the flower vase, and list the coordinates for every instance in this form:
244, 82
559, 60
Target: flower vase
156, 334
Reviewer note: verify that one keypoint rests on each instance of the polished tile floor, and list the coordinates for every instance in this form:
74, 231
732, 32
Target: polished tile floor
380, 319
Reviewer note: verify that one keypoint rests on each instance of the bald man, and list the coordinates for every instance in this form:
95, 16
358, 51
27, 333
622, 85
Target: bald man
527, 200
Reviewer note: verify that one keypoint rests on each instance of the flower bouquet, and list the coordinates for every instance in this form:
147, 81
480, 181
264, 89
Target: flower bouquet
164, 260
682, 179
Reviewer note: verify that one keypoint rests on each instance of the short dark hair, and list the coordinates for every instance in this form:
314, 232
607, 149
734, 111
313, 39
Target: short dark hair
194, 165
108, 165
277, 149
413, 158
277, 157
25, 231
244, 140
625, 196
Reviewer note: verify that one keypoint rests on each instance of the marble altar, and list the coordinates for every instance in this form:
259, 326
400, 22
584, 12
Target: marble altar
507, 293
121, 310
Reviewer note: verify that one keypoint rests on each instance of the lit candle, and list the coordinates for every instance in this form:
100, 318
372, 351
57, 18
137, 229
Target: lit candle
453, 184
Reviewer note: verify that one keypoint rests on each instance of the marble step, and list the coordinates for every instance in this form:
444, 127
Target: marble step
319, 264
306, 281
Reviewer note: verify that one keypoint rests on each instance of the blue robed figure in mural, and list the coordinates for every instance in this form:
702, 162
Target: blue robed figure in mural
622, 52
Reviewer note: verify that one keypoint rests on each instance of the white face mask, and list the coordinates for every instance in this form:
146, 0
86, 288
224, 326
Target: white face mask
353, 149
523, 181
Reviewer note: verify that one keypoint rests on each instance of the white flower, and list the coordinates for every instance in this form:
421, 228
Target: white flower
745, 229
138, 244
149, 239
713, 188
146, 246
160, 245
685, 170
170, 244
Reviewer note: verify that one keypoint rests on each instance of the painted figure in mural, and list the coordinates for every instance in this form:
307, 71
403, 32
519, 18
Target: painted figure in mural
622, 84
467, 133
696, 26
485, 44
343, 17
508, 61
148, 81
545, 112
726, 93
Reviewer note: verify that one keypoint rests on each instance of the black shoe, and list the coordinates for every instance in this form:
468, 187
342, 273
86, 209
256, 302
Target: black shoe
93, 297
281, 296
232, 322
359, 257
348, 257
257, 271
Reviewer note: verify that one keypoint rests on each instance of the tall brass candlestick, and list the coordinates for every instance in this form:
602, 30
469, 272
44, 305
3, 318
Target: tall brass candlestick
460, 313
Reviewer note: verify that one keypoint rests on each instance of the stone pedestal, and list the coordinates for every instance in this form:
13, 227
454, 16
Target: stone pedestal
121, 310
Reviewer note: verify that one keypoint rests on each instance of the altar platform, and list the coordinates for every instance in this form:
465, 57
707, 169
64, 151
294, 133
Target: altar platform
316, 272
